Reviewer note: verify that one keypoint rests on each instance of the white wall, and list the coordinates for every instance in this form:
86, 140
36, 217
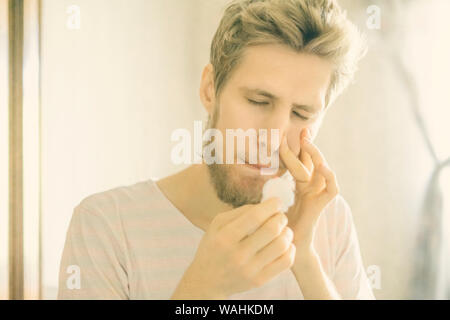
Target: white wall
113, 91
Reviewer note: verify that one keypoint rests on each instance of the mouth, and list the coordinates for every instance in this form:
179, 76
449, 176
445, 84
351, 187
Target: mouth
257, 169
256, 166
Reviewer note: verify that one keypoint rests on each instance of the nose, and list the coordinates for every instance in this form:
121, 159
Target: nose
278, 120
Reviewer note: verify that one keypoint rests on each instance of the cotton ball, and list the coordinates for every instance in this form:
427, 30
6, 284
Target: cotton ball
282, 187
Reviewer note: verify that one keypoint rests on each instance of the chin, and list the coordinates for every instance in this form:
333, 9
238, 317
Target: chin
237, 184
250, 171
249, 185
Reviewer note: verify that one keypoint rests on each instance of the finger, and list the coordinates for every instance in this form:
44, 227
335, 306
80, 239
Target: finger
316, 156
274, 249
318, 181
294, 165
282, 263
332, 188
269, 231
223, 218
305, 158
252, 219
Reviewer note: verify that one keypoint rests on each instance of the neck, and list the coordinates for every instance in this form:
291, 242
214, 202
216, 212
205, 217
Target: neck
192, 192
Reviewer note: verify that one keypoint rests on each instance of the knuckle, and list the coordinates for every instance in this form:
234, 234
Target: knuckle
285, 239
283, 219
289, 235
284, 244
273, 228
255, 216
288, 231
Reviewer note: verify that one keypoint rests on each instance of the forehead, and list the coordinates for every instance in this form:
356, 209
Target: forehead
284, 72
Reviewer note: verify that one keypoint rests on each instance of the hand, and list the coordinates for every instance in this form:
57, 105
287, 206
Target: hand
242, 249
316, 186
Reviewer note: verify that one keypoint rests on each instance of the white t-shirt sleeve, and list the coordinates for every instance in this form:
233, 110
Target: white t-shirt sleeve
93, 262
349, 277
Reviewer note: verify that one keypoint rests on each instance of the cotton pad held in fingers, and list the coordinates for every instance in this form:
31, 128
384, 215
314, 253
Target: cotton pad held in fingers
282, 187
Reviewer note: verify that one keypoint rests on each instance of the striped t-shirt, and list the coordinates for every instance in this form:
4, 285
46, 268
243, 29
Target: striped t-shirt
131, 242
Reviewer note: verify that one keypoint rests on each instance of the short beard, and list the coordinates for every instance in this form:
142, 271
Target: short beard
230, 193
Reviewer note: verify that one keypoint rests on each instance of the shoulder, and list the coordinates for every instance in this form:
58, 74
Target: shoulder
338, 210
115, 204
118, 196
338, 217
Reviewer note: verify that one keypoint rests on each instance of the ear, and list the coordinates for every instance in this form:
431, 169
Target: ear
207, 91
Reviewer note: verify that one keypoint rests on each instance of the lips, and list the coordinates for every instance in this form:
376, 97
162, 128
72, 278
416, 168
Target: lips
257, 166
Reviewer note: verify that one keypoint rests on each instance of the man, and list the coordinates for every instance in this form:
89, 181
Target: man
203, 233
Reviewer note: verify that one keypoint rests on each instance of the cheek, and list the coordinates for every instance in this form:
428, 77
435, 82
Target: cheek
237, 116
234, 116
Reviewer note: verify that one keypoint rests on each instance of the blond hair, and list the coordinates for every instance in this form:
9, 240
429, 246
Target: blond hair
317, 27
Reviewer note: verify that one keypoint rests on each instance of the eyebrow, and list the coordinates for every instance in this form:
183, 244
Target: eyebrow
274, 97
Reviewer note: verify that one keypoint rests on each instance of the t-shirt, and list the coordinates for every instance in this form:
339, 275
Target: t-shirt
131, 242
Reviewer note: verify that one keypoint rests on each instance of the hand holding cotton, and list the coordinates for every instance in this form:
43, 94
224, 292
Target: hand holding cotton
282, 187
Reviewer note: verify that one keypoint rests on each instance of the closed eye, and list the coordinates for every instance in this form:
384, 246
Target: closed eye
258, 102
299, 115
263, 103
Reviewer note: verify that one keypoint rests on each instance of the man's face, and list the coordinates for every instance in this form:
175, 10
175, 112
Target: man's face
273, 87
